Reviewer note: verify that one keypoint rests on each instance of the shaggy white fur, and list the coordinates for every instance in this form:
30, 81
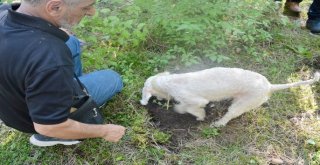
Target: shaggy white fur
195, 90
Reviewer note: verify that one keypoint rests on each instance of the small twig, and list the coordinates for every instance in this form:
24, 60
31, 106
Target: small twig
168, 102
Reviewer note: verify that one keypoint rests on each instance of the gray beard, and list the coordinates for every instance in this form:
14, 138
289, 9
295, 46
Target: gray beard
64, 24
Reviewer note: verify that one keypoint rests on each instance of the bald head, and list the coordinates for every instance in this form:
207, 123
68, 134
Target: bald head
38, 2
34, 2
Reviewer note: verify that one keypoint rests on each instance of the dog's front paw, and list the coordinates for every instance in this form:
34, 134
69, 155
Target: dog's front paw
217, 124
200, 118
179, 110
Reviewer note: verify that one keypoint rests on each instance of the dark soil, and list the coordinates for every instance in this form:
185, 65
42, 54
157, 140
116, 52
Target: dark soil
181, 126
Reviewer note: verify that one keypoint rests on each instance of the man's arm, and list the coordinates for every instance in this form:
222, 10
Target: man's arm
72, 129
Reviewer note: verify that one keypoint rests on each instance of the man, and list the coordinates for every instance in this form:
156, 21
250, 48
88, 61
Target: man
313, 22
37, 73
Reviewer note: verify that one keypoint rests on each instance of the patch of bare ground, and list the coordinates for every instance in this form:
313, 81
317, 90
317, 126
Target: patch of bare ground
185, 128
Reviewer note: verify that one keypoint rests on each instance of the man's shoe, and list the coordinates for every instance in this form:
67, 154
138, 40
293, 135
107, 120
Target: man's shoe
44, 141
313, 25
293, 6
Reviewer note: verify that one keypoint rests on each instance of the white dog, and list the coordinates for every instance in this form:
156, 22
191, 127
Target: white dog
195, 90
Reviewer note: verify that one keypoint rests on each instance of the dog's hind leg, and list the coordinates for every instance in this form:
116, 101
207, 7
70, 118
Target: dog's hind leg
238, 107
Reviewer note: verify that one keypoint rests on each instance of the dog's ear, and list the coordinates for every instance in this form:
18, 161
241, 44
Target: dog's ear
146, 95
146, 91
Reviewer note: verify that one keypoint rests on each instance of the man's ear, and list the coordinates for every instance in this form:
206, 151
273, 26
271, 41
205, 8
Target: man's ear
55, 7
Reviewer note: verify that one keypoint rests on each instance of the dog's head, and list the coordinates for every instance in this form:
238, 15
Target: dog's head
148, 89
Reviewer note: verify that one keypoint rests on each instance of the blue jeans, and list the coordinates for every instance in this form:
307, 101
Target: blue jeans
314, 10
102, 85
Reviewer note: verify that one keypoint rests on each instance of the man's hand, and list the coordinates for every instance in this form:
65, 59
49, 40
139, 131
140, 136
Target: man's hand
113, 133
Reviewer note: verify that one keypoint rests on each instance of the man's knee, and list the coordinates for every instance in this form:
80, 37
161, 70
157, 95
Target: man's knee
113, 78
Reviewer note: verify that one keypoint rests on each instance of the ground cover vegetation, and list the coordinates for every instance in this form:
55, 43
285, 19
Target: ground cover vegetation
139, 38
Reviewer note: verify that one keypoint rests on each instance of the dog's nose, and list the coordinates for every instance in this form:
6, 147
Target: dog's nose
142, 102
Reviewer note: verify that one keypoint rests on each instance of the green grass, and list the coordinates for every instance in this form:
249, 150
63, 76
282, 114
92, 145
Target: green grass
139, 38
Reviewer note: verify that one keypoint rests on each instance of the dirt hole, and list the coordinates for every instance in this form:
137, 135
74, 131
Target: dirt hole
182, 126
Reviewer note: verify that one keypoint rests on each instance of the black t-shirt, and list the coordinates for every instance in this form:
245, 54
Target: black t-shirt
36, 72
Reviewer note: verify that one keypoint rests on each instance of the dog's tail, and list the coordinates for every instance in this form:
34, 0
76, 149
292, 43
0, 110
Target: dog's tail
276, 87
